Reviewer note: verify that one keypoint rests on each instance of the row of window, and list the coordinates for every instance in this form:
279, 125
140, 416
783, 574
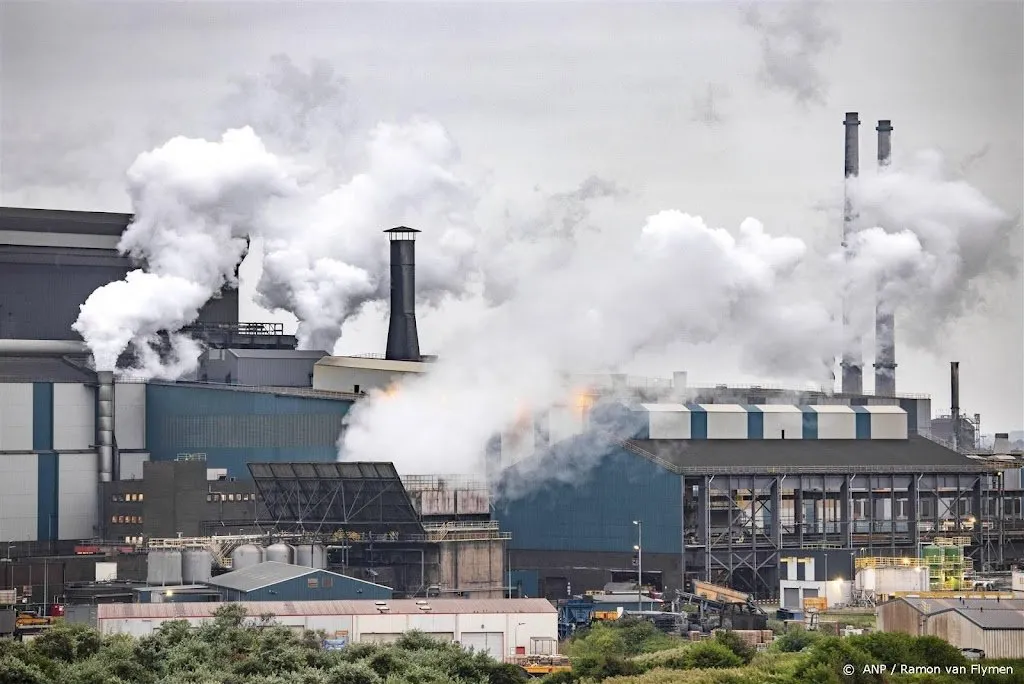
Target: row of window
230, 497
126, 519
117, 498
314, 583
137, 541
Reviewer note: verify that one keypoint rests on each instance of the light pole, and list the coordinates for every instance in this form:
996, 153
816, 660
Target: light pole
639, 564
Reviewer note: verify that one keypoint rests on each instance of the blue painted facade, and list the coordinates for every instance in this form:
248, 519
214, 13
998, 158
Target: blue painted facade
755, 423
863, 422
318, 585
595, 512
698, 422
526, 583
234, 428
810, 423
47, 461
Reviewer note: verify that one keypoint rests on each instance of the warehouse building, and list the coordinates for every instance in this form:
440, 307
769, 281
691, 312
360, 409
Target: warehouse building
724, 492
994, 626
498, 627
271, 581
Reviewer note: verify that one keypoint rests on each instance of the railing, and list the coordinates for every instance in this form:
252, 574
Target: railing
263, 389
245, 328
446, 482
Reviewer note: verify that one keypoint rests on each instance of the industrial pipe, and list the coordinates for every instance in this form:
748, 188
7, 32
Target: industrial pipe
885, 320
41, 347
105, 424
852, 361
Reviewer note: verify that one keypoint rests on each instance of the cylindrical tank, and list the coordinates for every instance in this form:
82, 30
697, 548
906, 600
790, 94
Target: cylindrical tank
163, 568
196, 566
246, 556
280, 553
311, 556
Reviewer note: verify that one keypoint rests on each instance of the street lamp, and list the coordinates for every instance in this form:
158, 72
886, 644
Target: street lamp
639, 548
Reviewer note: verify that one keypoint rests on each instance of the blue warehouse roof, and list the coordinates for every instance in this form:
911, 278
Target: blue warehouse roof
271, 572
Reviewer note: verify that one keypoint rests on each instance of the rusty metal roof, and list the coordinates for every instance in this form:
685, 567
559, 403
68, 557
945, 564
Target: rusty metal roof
178, 611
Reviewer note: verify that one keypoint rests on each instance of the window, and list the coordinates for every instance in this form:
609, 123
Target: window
139, 497
313, 583
209, 498
328, 582
113, 519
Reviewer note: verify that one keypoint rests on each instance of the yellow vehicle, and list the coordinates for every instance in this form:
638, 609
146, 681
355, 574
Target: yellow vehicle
28, 621
540, 665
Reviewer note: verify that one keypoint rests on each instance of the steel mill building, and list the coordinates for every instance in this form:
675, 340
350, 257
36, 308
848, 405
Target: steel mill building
724, 482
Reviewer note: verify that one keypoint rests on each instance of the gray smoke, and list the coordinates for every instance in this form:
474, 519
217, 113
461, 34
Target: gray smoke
794, 39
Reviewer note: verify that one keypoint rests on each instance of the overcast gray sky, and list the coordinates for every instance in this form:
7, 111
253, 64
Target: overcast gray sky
680, 103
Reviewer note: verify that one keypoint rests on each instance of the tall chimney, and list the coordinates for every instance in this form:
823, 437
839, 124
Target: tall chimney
885, 321
105, 423
852, 363
403, 342
954, 394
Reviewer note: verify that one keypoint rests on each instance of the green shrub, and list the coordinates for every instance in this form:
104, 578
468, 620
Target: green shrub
796, 640
710, 654
737, 645
352, 673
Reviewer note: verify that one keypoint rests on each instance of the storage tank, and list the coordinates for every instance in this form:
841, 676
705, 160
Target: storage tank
280, 553
163, 568
246, 556
311, 556
196, 566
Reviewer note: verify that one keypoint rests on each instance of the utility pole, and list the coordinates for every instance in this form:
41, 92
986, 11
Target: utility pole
639, 564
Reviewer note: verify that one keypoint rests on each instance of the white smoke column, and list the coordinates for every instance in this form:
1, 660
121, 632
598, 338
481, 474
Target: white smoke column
327, 258
933, 241
195, 203
677, 279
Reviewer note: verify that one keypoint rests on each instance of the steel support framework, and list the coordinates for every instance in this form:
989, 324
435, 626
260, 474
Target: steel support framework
742, 524
357, 498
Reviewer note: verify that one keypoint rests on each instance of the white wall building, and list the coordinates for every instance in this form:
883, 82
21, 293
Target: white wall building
499, 627
358, 374
797, 583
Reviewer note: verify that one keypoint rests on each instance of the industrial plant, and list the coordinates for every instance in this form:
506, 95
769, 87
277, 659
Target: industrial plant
226, 486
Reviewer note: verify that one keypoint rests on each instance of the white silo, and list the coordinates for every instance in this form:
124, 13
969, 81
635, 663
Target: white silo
280, 553
163, 568
246, 556
311, 556
196, 566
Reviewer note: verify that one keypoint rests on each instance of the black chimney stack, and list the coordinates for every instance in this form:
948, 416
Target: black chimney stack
954, 392
403, 342
852, 362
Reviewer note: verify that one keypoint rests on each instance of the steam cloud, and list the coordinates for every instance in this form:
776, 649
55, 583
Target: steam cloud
791, 45
927, 238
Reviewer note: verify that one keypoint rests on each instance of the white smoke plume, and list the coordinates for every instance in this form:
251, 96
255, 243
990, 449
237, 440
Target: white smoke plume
793, 40
929, 239
195, 204
677, 278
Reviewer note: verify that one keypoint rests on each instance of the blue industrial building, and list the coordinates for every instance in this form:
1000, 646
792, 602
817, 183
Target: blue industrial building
236, 426
271, 581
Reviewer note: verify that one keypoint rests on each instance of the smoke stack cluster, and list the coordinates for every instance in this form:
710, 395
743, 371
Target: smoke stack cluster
403, 341
885, 321
852, 361
954, 394
105, 423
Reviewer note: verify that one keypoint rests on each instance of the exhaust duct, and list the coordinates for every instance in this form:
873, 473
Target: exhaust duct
852, 362
403, 341
105, 424
885, 320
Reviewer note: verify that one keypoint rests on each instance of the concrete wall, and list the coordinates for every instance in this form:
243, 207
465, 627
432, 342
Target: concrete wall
74, 412
476, 568
16, 416
19, 482
78, 496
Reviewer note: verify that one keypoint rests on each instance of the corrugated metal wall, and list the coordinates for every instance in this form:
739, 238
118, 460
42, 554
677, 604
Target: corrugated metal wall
318, 586
597, 512
234, 428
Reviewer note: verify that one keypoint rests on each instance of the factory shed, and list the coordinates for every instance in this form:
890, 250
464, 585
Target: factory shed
498, 627
260, 367
273, 581
991, 625
916, 454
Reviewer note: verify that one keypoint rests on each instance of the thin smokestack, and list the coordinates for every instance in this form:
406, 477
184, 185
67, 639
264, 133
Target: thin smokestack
954, 394
403, 341
852, 362
885, 320
105, 424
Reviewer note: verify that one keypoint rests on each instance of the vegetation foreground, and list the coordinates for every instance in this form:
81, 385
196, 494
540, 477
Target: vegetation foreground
226, 651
